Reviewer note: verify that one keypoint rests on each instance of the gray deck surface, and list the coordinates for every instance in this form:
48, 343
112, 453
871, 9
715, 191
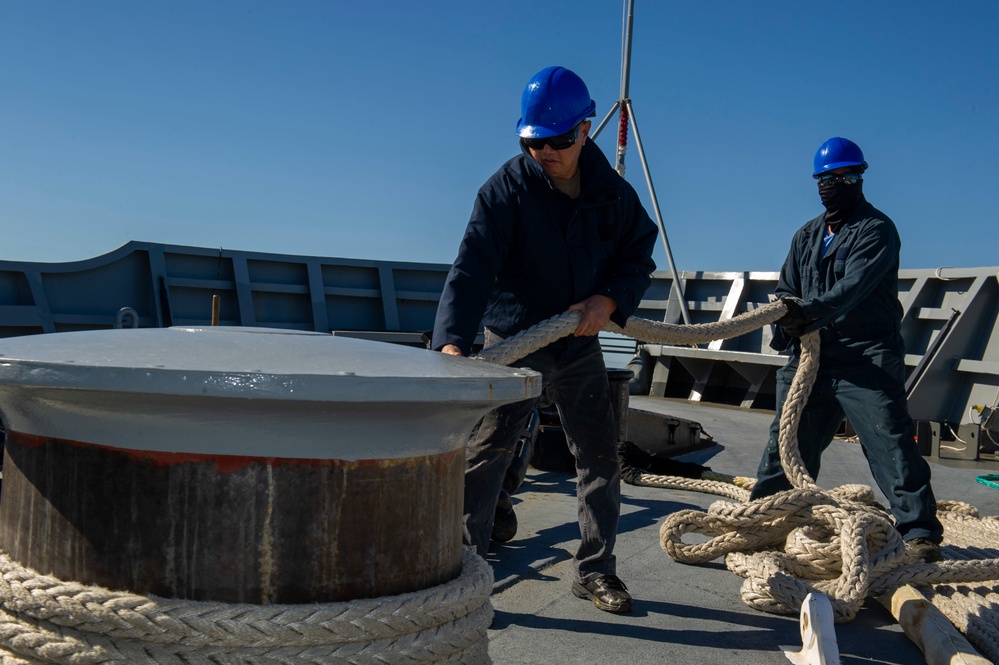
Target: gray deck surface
682, 614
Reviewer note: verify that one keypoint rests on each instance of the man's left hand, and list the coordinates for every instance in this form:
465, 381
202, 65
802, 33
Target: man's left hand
795, 316
793, 322
596, 311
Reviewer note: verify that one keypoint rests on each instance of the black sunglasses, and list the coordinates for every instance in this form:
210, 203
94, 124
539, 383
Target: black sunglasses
560, 142
845, 178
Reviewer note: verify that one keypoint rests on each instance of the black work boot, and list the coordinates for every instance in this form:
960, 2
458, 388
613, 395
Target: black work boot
505, 520
607, 592
923, 550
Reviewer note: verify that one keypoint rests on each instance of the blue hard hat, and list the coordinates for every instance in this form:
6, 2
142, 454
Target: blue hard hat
837, 153
554, 101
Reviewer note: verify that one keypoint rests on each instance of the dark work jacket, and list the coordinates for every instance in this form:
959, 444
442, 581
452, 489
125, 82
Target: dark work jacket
529, 251
853, 289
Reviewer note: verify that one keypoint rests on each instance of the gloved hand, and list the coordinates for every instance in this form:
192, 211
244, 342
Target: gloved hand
794, 320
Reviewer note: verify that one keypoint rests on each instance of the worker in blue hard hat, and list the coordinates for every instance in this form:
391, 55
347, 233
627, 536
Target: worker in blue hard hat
554, 229
841, 278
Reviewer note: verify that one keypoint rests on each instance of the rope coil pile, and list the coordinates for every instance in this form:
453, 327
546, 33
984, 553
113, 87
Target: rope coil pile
839, 542
47, 620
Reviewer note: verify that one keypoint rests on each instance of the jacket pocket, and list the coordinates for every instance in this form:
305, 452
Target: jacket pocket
839, 263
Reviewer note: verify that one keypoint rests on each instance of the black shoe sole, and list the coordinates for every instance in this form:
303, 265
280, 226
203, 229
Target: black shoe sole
579, 591
924, 553
933, 557
504, 527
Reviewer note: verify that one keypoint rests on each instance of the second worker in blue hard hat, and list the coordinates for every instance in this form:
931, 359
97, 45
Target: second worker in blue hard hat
554, 229
841, 278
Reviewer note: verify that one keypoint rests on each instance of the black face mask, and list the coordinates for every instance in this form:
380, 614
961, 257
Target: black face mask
840, 200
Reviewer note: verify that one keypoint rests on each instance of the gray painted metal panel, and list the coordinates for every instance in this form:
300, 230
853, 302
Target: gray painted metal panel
174, 285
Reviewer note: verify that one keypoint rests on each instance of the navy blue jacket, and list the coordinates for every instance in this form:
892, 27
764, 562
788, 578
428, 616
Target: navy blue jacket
529, 251
853, 289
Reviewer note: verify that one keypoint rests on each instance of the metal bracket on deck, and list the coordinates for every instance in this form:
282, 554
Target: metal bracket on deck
818, 634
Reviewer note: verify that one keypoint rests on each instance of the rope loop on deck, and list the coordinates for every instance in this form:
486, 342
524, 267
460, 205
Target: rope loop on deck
839, 542
47, 620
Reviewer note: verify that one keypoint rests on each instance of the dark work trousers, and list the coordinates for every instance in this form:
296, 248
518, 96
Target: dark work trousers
865, 382
577, 384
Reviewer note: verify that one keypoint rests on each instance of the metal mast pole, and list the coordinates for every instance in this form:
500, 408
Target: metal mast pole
627, 112
622, 125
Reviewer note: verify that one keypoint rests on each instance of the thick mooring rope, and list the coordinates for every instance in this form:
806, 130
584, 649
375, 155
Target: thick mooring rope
839, 542
47, 620
541, 335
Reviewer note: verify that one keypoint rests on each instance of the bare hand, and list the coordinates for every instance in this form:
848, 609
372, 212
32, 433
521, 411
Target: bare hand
451, 350
596, 312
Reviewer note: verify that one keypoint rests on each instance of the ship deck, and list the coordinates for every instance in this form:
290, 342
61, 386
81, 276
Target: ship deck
682, 613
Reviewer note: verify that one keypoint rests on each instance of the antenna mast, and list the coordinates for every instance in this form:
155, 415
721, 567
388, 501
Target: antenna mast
623, 105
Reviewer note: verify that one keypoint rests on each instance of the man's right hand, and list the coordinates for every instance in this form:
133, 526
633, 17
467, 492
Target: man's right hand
451, 350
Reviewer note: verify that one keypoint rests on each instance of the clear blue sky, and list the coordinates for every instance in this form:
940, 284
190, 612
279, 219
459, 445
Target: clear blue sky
363, 129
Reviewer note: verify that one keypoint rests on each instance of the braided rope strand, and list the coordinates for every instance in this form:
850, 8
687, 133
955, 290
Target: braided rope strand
46, 620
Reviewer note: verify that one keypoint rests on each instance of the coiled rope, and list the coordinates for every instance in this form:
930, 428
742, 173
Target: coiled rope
47, 620
839, 542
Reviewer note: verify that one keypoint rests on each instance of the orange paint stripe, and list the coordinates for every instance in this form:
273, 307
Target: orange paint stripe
223, 463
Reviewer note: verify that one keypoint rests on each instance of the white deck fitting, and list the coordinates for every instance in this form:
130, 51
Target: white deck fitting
248, 391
